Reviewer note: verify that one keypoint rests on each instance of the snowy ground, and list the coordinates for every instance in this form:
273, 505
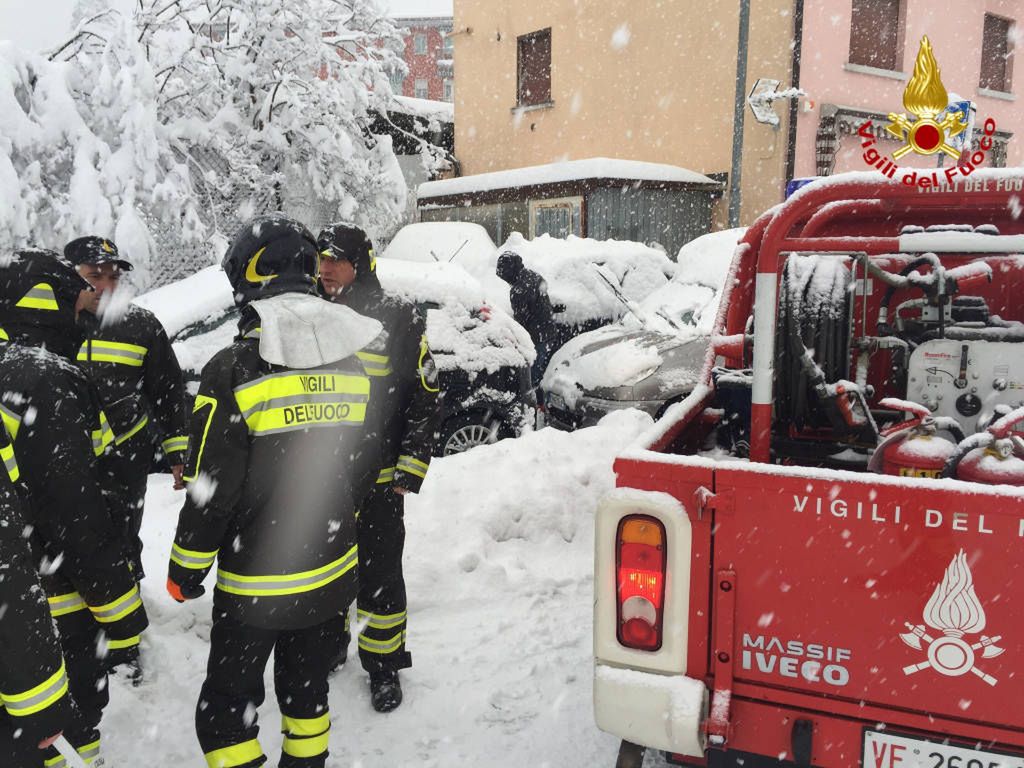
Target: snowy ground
499, 561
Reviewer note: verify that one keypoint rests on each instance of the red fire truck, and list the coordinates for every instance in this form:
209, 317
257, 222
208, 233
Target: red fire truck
817, 558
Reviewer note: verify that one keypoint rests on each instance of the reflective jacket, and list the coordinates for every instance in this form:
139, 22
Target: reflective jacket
33, 681
133, 367
278, 458
59, 432
399, 358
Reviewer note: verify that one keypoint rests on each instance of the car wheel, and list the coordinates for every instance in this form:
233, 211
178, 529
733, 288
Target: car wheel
468, 430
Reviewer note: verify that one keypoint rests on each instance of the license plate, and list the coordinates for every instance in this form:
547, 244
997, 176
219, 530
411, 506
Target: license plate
889, 750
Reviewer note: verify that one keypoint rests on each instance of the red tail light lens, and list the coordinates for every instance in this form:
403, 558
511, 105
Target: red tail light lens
640, 566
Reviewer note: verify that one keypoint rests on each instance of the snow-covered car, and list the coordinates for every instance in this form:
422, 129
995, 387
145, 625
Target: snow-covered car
482, 355
653, 356
446, 242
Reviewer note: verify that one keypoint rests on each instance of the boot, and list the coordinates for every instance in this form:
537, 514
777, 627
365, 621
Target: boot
129, 662
342, 656
385, 690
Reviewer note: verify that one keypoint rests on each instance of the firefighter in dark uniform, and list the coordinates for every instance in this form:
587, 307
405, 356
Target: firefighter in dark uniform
281, 448
532, 309
410, 420
59, 433
130, 362
34, 702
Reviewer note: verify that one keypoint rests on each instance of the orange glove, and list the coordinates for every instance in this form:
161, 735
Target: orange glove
181, 594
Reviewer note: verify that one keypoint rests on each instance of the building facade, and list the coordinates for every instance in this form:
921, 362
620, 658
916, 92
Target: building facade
859, 56
655, 81
428, 54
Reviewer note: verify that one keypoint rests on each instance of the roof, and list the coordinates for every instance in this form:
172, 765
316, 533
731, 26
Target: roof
425, 108
417, 9
567, 171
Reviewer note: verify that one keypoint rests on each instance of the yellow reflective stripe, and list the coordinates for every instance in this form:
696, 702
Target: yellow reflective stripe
133, 431
40, 296
287, 584
386, 475
61, 605
10, 463
90, 751
383, 621
255, 333
308, 747
4, 336
283, 402
38, 698
176, 443
201, 401
412, 466
305, 726
188, 558
102, 351
102, 436
375, 365
239, 754
116, 645
12, 421
119, 608
382, 646
423, 356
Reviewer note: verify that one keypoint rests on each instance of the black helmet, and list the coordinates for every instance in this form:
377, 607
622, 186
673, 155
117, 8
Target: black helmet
272, 254
345, 241
510, 266
38, 294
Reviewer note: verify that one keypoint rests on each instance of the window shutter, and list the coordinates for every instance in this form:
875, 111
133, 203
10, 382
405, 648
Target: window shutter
874, 34
534, 76
995, 54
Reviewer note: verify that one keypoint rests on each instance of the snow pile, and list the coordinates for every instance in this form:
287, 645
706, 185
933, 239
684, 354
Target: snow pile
201, 296
465, 339
572, 281
598, 359
434, 283
499, 567
449, 242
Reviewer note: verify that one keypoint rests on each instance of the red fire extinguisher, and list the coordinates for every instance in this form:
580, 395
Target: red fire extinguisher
914, 448
992, 457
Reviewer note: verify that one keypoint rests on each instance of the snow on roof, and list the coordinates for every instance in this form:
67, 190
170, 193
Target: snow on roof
569, 170
417, 9
426, 108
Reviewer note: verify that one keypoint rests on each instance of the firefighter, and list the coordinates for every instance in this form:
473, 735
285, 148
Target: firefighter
531, 308
409, 423
282, 446
59, 432
34, 702
129, 360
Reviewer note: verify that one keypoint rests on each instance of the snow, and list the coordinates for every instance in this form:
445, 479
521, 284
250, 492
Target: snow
457, 242
568, 170
426, 108
203, 295
566, 266
499, 567
574, 371
460, 340
415, 9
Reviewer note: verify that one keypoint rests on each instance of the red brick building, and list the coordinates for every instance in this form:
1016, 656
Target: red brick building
428, 54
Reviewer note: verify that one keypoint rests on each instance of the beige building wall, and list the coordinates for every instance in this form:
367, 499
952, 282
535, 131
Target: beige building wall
648, 80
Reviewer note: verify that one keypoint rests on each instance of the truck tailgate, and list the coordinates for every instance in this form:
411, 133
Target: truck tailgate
895, 592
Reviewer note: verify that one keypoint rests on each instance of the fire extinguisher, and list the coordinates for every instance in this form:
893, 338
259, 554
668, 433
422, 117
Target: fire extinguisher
913, 448
992, 457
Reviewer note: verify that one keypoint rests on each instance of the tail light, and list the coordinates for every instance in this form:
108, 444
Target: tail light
640, 569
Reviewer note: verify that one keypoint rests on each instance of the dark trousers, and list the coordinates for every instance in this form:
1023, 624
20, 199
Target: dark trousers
126, 470
226, 720
87, 685
381, 605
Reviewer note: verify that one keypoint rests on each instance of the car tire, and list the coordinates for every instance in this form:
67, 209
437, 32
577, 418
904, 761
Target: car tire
468, 430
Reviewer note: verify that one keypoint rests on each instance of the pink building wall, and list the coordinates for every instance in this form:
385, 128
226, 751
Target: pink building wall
955, 31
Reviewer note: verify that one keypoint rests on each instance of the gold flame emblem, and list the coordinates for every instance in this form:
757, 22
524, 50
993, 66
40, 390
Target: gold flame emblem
926, 98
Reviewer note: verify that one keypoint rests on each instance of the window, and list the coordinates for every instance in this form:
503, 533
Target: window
449, 45
449, 90
421, 91
420, 45
398, 83
558, 218
996, 54
534, 68
875, 34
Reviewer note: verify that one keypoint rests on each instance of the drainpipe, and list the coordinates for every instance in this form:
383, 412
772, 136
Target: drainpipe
798, 46
736, 175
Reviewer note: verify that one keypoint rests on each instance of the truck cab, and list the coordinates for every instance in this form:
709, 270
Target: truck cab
815, 558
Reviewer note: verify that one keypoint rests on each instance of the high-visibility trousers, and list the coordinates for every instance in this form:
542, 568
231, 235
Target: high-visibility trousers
381, 604
226, 718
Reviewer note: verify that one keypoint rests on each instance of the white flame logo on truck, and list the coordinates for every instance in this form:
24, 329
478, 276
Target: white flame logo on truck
955, 611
